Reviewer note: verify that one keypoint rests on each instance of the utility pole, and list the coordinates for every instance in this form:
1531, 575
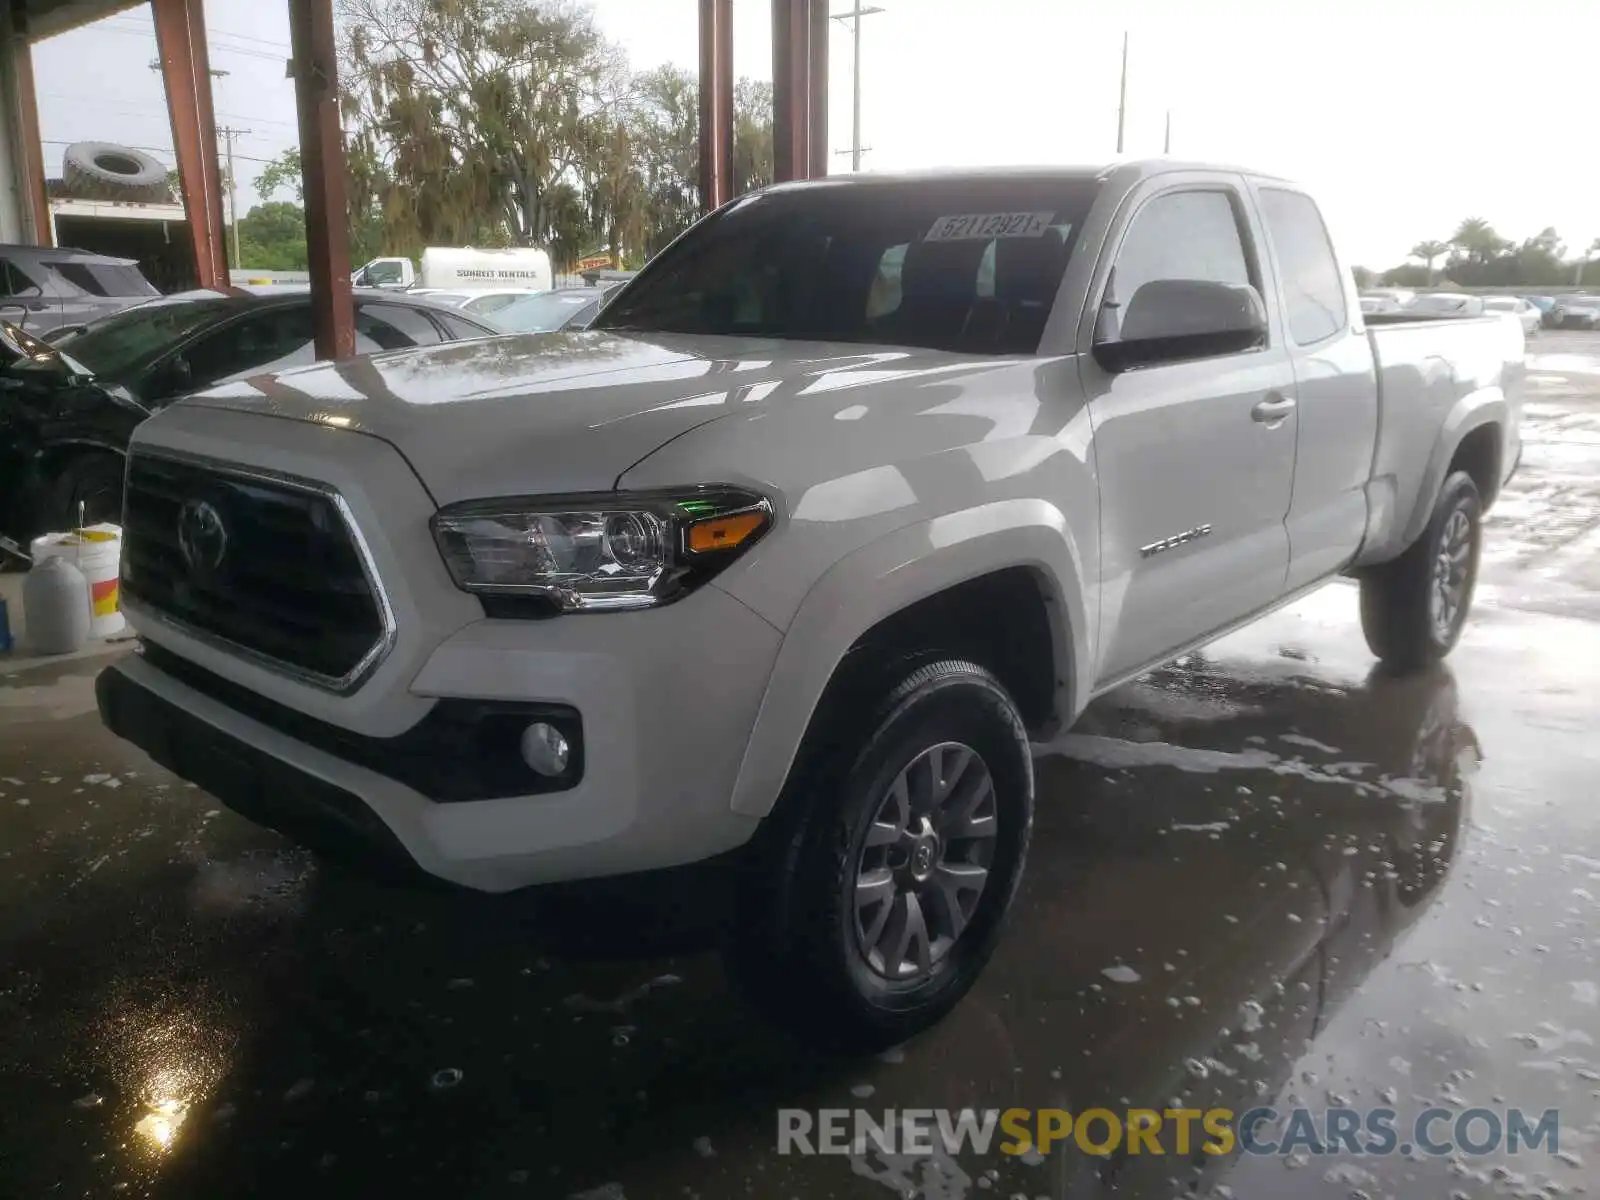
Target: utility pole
227, 133
1122, 97
1166, 142
854, 17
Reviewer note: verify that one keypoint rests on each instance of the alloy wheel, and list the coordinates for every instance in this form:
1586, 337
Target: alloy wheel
924, 862
1452, 565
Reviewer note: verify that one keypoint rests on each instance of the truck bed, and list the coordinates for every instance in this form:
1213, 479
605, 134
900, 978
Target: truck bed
1425, 366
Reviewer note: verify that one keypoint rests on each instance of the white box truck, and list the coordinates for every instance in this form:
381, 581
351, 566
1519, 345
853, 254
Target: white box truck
458, 267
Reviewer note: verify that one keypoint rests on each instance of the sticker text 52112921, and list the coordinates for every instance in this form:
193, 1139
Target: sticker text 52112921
971, 226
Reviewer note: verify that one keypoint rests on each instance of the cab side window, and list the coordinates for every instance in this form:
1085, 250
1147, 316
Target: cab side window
1313, 285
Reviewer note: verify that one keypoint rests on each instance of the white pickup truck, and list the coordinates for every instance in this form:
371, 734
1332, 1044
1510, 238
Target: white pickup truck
859, 488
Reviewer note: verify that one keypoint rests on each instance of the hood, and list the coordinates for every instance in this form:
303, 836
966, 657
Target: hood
548, 413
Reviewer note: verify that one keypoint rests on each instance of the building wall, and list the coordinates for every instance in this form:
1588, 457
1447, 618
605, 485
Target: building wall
16, 219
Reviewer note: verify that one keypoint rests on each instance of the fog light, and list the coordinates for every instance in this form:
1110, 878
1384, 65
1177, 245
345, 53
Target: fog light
545, 749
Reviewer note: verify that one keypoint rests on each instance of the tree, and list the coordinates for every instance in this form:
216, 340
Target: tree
282, 172
1363, 276
272, 236
1408, 275
1428, 252
752, 135
476, 109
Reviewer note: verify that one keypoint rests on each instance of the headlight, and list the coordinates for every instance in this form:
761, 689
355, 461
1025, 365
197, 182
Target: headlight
603, 551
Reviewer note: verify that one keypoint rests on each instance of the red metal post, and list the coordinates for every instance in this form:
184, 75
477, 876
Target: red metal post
716, 103
27, 101
817, 88
791, 103
186, 69
316, 89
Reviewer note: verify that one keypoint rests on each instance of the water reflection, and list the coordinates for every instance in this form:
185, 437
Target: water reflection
1194, 915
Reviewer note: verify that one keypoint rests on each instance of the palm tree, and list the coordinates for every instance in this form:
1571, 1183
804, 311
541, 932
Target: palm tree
1476, 239
1428, 252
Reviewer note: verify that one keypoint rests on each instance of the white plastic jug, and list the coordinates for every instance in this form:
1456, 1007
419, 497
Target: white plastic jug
55, 607
96, 551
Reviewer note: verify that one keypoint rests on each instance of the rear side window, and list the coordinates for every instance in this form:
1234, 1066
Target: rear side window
395, 327
118, 279
1313, 287
79, 276
1181, 235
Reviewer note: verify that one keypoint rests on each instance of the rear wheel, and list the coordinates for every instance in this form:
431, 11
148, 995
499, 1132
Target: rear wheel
884, 881
1413, 609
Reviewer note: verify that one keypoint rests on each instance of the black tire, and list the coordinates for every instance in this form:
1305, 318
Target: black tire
95, 479
1403, 625
119, 172
799, 950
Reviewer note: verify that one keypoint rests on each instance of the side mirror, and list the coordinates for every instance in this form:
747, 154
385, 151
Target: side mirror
1174, 320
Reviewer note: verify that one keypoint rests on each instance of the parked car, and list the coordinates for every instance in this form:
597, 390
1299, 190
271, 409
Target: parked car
778, 570
1576, 312
1525, 314
1398, 296
1446, 304
547, 312
1380, 302
42, 288
68, 407
1543, 303
480, 302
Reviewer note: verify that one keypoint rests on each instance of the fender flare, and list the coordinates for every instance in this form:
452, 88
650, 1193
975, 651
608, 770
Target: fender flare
882, 578
1486, 406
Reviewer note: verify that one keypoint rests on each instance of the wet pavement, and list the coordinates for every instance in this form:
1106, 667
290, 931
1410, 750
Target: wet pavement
1262, 876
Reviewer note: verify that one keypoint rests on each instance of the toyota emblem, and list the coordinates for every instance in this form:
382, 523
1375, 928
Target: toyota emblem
202, 537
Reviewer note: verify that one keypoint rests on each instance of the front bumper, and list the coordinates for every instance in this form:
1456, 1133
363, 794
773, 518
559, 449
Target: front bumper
666, 699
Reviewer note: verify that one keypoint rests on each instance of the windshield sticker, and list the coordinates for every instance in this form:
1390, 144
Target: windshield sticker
975, 226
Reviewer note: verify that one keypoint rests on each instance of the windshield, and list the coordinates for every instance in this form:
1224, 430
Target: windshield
124, 342
971, 266
544, 312
1581, 302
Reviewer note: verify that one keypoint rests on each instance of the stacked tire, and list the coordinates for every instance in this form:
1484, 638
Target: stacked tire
106, 171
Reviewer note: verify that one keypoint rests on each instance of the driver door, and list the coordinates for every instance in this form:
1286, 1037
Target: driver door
1195, 456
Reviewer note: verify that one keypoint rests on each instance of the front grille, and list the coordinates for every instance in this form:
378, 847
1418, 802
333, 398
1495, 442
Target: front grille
284, 581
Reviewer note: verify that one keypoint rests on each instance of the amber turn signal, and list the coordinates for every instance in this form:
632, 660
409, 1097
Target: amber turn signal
724, 533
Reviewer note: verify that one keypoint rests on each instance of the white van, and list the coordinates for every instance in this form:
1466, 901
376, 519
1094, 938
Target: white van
462, 267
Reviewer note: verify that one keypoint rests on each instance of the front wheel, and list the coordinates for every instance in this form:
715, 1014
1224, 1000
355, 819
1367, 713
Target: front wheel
89, 485
1413, 609
893, 864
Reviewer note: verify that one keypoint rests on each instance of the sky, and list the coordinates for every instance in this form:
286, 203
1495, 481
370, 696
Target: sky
1402, 116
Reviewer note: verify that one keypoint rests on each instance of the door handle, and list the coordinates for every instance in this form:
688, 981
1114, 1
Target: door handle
1273, 411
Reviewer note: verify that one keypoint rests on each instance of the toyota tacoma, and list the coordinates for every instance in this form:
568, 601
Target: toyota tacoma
860, 488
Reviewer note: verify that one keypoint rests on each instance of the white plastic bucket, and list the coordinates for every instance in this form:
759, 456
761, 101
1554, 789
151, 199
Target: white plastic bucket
97, 552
